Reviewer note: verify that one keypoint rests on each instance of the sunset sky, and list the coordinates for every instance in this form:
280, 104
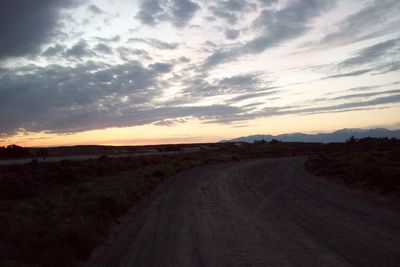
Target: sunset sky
128, 72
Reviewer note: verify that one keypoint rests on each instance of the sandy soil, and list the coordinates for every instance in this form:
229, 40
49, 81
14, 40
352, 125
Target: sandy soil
256, 213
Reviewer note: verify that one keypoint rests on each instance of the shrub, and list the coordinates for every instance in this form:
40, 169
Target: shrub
158, 173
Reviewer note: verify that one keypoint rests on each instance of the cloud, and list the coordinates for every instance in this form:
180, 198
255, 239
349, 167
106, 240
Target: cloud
392, 99
267, 2
377, 59
231, 10
375, 19
54, 50
183, 11
363, 95
151, 13
184, 59
67, 99
126, 53
155, 43
274, 27
348, 74
201, 86
80, 50
220, 56
161, 67
250, 96
114, 39
26, 25
95, 10
94, 95
177, 12
241, 81
102, 48
170, 122
381, 56
285, 24
108, 80
354, 105
232, 34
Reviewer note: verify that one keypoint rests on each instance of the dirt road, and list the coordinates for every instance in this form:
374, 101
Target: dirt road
256, 213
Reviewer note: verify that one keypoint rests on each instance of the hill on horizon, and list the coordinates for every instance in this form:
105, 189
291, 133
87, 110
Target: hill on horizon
333, 137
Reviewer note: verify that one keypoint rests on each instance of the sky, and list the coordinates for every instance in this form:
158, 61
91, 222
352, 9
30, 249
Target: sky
130, 72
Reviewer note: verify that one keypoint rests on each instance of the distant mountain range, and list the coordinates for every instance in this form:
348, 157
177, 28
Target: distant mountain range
338, 136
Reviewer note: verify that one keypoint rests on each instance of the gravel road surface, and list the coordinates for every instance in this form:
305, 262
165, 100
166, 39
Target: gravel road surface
267, 212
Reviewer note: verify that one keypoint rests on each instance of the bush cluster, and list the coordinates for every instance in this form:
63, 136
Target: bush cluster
376, 170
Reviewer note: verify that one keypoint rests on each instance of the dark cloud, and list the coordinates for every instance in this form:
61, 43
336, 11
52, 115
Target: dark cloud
80, 50
232, 34
183, 11
390, 67
349, 106
377, 59
363, 95
274, 27
170, 122
376, 18
161, 67
126, 52
96, 95
219, 57
151, 12
155, 43
114, 39
210, 44
95, 9
231, 10
392, 99
184, 59
103, 48
26, 25
178, 12
200, 86
241, 81
267, 2
285, 24
81, 94
54, 50
381, 56
251, 95
348, 74
66, 99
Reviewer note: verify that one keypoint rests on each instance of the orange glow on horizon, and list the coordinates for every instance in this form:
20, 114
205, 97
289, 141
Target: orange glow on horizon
195, 131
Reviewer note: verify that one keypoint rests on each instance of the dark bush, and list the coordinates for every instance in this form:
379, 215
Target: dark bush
377, 170
158, 173
14, 188
102, 159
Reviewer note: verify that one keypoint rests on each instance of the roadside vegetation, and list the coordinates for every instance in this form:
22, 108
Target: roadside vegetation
370, 163
56, 213
14, 151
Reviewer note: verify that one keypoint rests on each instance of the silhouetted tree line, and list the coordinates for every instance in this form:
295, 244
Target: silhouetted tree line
372, 142
263, 142
14, 151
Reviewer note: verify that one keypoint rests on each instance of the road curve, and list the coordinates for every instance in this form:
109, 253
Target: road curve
267, 212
